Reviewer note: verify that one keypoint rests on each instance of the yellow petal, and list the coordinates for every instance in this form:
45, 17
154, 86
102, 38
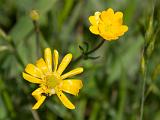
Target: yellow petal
34, 71
37, 93
110, 12
124, 28
71, 86
55, 59
64, 99
72, 73
121, 30
31, 78
118, 15
42, 65
39, 102
66, 60
109, 37
94, 29
102, 28
107, 16
48, 58
94, 20
118, 18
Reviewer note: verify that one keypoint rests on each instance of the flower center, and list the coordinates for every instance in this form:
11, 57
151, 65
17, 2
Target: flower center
52, 80
108, 27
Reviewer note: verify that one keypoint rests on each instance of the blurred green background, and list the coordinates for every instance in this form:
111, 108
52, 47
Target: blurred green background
112, 83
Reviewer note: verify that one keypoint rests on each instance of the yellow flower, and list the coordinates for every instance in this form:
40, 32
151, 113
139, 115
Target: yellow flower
51, 81
108, 24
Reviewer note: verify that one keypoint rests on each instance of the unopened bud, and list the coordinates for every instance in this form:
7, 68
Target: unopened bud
34, 15
143, 65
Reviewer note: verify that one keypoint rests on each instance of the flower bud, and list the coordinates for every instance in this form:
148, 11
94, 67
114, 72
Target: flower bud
34, 15
143, 65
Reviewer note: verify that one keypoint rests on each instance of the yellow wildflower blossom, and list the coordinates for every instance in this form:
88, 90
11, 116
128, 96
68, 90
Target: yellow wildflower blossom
108, 24
51, 81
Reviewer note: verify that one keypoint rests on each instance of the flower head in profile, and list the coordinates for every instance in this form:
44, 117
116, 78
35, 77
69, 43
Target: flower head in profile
108, 24
51, 80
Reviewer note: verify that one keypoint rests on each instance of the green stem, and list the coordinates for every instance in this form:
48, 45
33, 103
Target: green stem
89, 52
143, 95
36, 29
34, 113
96, 48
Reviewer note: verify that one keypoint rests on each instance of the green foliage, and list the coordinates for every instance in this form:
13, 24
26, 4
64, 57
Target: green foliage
112, 82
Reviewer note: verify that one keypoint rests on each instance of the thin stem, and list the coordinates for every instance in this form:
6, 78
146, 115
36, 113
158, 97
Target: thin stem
143, 94
36, 28
34, 113
96, 48
89, 52
16, 54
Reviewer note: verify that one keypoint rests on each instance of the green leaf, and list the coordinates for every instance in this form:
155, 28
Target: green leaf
22, 28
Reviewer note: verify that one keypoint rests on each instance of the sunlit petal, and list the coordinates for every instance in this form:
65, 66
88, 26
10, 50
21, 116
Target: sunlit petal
107, 16
72, 73
101, 28
71, 86
55, 59
42, 65
34, 71
66, 60
31, 78
94, 29
37, 93
118, 18
64, 99
94, 20
109, 37
124, 28
48, 58
39, 102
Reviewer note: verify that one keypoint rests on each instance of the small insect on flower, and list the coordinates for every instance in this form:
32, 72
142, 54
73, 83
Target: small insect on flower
108, 24
51, 81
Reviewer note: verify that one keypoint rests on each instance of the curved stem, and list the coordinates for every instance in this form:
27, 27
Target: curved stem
36, 29
89, 52
97, 47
